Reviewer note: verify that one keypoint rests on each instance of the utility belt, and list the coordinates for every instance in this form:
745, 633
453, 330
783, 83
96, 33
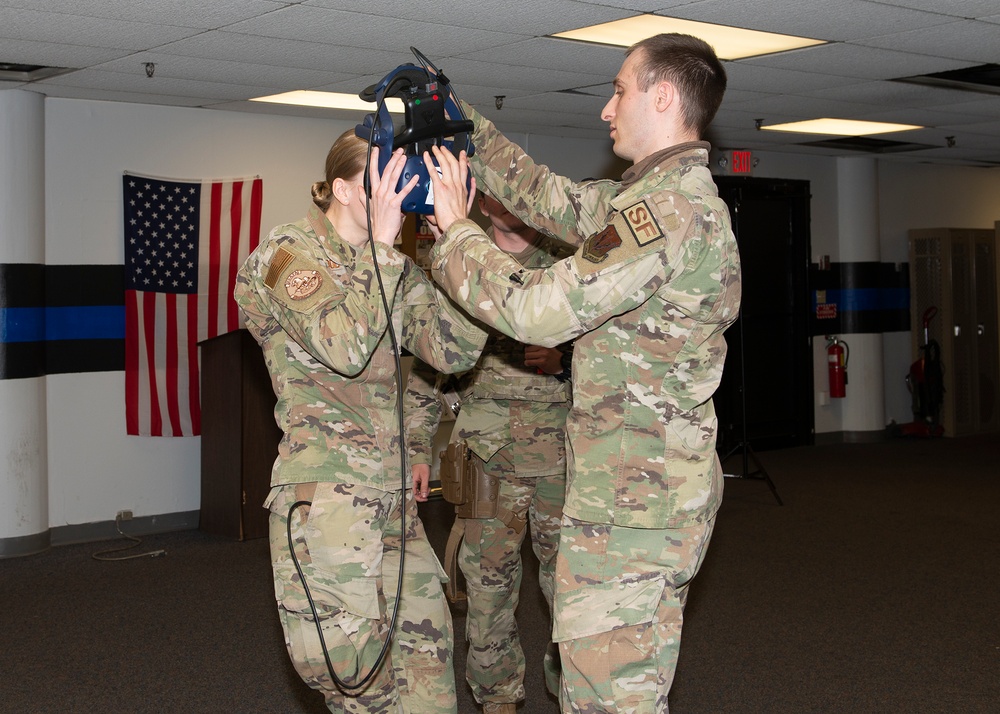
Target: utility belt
475, 494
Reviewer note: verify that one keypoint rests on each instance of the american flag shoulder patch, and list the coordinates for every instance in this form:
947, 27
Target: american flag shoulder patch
281, 260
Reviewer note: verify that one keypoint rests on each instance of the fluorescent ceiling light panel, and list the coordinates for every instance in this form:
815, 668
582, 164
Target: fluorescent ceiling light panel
330, 100
840, 127
730, 43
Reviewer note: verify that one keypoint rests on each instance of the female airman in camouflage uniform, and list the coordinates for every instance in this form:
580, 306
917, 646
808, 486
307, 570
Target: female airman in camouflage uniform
312, 300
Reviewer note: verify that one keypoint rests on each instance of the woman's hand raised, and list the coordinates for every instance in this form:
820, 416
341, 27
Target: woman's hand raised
385, 209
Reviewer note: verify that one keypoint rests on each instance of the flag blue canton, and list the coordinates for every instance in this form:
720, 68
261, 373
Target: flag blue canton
161, 235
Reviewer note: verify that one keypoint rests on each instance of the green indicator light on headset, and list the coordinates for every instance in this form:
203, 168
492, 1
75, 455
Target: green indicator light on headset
416, 101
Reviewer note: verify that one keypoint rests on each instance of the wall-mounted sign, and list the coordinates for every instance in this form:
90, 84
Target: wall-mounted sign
741, 161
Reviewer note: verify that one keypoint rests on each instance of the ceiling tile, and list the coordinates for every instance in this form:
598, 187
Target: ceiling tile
539, 18
851, 60
968, 40
832, 20
216, 70
87, 31
182, 13
323, 25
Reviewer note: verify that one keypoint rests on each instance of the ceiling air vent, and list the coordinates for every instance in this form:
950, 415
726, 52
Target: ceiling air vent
984, 78
14, 72
868, 145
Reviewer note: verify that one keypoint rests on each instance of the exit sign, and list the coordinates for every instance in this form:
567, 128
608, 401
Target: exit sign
741, 162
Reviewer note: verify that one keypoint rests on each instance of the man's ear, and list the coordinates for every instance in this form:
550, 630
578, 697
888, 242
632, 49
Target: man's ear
666, 94
342, 191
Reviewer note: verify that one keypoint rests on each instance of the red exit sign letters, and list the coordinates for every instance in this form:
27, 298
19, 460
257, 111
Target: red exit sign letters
741, 162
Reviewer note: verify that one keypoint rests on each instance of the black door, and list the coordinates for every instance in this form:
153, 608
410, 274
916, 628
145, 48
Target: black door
766, 396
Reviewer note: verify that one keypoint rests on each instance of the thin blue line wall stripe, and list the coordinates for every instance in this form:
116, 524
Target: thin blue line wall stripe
22, 324
99, 322
35, 324
854, 300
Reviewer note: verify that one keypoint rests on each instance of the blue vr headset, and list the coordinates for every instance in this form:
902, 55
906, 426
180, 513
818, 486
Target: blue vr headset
426, 98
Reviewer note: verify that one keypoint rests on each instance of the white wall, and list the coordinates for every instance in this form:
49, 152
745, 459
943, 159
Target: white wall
96, 470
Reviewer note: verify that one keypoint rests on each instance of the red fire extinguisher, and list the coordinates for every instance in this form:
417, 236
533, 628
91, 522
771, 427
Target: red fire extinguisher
837, 353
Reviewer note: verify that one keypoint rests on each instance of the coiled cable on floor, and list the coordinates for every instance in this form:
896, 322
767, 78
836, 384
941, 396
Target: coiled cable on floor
102, 554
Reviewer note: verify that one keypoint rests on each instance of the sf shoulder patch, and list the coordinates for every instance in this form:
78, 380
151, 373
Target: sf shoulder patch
642, 223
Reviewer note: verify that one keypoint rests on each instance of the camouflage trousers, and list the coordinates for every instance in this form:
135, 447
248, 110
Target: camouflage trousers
619, 607
348, 546
490, 560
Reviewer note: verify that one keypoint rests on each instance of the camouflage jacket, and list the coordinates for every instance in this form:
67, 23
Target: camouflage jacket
502, 401
312, 301
654, 284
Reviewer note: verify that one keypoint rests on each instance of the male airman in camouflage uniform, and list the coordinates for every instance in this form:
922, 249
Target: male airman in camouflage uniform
312, 301
653, 286
513, 414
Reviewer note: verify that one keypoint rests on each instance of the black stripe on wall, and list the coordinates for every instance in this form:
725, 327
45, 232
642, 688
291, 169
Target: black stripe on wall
69, 356
78, 285
20, 360
23, 285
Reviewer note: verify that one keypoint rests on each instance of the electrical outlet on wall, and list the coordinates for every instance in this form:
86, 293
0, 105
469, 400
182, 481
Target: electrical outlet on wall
125, 515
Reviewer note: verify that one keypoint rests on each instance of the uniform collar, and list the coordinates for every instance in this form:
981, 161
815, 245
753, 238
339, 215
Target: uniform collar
662, 159
320, 223
329, 239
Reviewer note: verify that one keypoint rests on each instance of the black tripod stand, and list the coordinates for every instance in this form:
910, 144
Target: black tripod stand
744, 444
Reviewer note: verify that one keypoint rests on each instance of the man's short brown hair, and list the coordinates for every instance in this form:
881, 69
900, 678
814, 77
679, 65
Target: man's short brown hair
690, 64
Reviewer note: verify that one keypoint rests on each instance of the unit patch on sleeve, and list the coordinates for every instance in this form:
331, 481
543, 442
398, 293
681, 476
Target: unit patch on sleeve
300, 284
597, 247
640, 221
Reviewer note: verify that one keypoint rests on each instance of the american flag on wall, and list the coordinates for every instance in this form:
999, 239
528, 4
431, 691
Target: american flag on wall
184, 243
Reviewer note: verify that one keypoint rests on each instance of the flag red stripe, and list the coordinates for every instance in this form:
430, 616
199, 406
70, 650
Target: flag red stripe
131, 363
194, 367
256, 201
236, 220
171, 376
149, 335
214, 260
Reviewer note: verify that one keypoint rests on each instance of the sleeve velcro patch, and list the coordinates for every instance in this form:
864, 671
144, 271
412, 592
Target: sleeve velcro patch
281, 260
642, 223
596, 248
298, 283
631, 232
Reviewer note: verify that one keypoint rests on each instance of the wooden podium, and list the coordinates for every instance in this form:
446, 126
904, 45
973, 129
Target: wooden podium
239, 439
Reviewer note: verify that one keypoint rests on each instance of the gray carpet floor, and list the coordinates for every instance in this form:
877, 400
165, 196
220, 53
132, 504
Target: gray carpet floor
874, 588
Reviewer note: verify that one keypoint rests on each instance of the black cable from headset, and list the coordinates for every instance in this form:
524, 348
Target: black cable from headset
428, 66
354, 689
